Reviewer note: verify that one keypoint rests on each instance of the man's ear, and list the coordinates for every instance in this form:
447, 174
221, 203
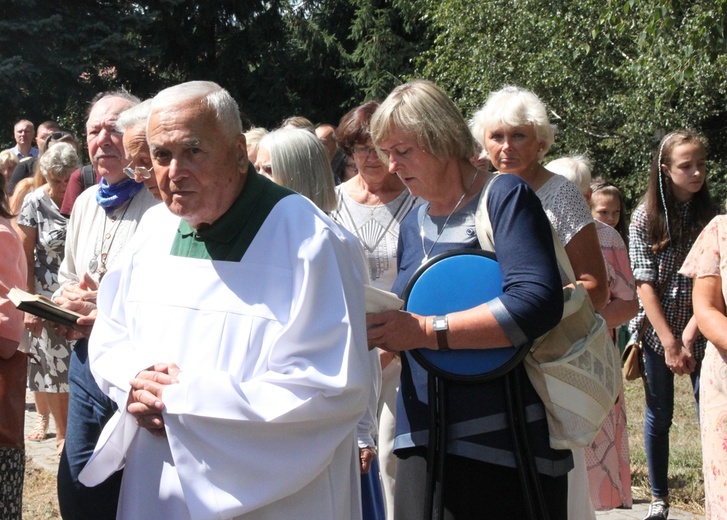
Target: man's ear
242, 159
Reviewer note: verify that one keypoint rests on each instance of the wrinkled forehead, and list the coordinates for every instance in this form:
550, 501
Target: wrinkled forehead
134, 140
186, 122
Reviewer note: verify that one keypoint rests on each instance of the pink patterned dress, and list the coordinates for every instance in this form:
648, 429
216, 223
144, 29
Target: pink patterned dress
607, 459
708, 257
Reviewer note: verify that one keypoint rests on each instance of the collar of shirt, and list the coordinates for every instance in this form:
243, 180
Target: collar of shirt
226, 228
228, 237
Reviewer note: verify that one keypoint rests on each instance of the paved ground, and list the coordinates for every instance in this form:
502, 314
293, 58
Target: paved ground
639, 511
44, 455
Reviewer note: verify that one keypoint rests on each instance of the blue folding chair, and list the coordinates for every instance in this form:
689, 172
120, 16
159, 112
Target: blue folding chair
454, 281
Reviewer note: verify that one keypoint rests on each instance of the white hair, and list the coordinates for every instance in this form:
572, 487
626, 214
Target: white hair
514, 106
60, 159
134, 116
576, 169
207, 93
300, 162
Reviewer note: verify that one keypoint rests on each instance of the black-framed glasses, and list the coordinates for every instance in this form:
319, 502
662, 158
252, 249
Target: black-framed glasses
144, 173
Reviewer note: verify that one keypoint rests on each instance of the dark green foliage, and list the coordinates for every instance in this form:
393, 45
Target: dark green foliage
615, 74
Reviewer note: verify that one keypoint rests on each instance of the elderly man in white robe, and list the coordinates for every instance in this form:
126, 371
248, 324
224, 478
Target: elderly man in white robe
232, 337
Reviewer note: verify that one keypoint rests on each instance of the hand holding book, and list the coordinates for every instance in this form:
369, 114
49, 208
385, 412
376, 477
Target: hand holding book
43, 307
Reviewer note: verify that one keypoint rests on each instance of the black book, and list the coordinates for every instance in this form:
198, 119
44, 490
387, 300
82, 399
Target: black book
42, 307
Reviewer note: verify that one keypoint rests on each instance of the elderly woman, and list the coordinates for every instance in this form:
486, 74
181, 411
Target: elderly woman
42, 230
25, 186
372, 205
295, 158
514, 130
429, 146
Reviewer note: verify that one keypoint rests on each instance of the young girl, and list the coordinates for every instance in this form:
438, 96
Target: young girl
663, 228
607, 206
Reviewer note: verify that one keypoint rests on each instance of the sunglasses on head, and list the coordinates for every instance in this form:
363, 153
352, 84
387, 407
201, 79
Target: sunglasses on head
55, 136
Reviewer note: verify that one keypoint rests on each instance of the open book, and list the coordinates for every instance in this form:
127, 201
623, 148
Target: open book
42, 307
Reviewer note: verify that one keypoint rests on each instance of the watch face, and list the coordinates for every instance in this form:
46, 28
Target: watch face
440, 323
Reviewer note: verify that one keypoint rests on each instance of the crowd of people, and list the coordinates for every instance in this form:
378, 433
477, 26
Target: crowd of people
225, 365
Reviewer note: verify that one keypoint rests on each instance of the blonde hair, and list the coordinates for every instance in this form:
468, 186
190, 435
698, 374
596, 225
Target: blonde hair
300, 162
420, 108
253, 138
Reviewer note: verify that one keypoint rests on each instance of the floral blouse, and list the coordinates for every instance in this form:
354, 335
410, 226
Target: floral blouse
708, 256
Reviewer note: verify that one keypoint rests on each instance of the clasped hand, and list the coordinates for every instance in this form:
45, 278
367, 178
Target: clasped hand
145, 398
679, 358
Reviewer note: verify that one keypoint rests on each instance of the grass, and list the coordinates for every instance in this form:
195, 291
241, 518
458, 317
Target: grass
685, 468
686, 485
40, 500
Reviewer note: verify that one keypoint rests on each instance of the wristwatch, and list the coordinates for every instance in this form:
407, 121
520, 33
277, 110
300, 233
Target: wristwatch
440, 325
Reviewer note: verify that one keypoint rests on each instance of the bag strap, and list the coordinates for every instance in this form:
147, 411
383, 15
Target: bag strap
483, 225
487, 241
88, 177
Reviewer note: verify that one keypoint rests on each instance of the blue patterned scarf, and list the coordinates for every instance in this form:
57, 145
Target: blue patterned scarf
111, 197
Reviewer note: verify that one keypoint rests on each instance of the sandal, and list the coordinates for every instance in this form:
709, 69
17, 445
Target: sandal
40, 430
59, 447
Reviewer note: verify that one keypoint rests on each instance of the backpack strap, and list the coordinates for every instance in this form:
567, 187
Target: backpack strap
88, 177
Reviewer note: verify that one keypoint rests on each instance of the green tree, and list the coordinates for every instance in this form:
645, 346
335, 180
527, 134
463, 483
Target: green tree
388, 35
615, 77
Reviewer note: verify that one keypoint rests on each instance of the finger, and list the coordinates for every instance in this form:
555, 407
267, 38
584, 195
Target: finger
138, 409
147, 401
151, 422
174, 371
160, 377
377, 319
375, 335
161, 367
150, 388
86, 321
89, 282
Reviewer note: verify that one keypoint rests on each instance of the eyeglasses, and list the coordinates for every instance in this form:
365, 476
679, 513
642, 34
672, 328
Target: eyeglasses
363, 150
55, 136
144, 173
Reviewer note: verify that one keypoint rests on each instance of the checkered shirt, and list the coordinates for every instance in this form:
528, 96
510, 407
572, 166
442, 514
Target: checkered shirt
676, 300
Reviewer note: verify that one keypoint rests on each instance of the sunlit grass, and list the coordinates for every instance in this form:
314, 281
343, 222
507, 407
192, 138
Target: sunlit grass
686, 486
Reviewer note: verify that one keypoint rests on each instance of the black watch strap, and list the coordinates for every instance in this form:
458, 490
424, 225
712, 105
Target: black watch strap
440, 324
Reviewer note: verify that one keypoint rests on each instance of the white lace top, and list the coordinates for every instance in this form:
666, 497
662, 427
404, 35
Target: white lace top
565, 206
